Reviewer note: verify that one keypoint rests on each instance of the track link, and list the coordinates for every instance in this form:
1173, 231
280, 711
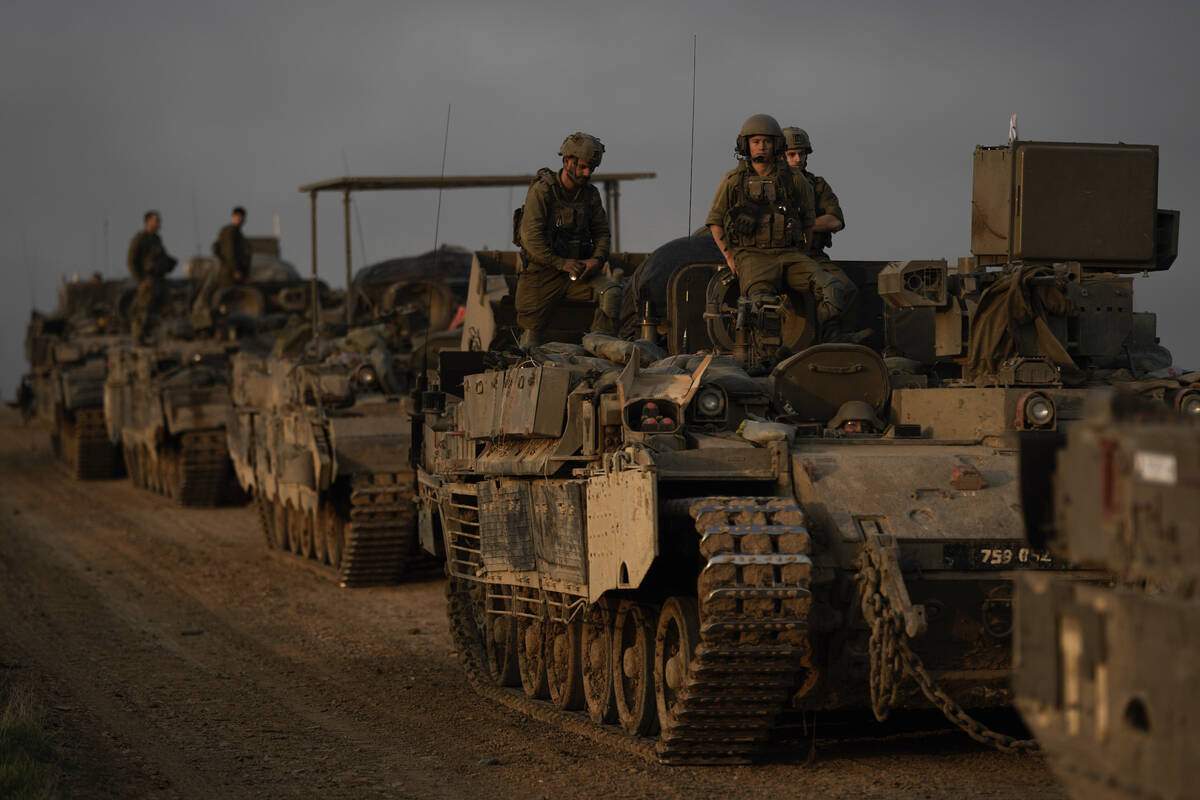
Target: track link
366, 539
381, 530
85, 447
203, 475
753, 598
753, 594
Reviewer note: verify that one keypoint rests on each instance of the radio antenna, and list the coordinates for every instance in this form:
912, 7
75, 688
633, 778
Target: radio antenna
196, 222
423, 379
362, 242
437, 222
692, 157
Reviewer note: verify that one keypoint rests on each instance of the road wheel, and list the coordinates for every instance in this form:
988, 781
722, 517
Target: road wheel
633, 668
531, 654
596, 654
564, 666
501, 637
674, 649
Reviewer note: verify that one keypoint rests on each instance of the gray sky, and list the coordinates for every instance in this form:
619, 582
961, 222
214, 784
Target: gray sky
108, 109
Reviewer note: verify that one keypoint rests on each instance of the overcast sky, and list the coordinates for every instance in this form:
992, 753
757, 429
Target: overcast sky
108, 109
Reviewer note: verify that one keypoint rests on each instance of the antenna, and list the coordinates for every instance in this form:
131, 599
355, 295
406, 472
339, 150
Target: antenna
423, 379
196, 222
104, 265
1012, 129
692, 157
362, 242
438, 219
29, 271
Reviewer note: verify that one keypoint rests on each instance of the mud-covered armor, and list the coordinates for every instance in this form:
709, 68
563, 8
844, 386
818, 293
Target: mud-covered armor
689, 549
1107, 669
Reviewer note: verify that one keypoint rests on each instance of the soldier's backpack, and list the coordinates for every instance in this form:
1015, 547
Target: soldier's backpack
544, 174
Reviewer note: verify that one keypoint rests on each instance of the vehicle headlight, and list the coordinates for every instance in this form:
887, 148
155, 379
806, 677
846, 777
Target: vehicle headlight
1189, 404
710, 402
1038, 411
366, 377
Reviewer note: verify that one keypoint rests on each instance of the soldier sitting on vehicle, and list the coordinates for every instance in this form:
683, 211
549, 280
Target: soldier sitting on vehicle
830, 218
762, 217
563, 234
149, 263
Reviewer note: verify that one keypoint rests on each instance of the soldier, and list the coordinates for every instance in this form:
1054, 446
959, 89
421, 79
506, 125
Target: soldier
761, 218
233, 252
564, 238
148, 263
830, 218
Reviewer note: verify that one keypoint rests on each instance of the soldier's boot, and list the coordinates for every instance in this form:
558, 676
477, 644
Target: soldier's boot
529, 338
833, 328
608, 310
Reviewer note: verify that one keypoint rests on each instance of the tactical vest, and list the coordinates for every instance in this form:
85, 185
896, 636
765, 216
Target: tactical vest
568, 222
763, 212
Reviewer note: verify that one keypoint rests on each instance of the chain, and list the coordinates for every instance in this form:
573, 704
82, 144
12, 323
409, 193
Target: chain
891, 658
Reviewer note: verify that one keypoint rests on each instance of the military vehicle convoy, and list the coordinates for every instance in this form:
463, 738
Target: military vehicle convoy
166, 404
1106, 671
690, 545
320, 430
63, 391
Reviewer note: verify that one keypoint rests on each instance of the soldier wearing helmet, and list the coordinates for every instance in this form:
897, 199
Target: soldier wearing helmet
762, 217
564, 238
830, 219
148, 263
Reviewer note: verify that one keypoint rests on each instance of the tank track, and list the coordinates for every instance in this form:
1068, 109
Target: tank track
754, 601
369, 541
381, 531
753, 597
84, 445
203, 474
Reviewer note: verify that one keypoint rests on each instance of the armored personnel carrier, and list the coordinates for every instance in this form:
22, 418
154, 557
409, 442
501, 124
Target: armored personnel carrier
1106, 671
166, 404
689, 546
63, 392
323, 443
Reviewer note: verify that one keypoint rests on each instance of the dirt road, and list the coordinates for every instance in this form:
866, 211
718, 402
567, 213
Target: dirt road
177, 658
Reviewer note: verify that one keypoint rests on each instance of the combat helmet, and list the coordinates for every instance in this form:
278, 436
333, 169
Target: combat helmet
584, 146
759, 125
857, 411
796, 139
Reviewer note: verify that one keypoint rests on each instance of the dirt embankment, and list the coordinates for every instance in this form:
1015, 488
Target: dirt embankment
177, 658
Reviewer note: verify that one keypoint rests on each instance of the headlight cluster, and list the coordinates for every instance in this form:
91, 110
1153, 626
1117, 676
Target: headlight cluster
709, 404
366, 378
1187, 403
1035, 411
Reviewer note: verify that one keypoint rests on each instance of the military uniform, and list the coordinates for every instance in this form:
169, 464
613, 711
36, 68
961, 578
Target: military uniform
233, 253
827, 203
557, 226
767, 221
148, 263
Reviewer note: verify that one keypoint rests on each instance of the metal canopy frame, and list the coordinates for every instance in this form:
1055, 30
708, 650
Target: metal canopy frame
347, 185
